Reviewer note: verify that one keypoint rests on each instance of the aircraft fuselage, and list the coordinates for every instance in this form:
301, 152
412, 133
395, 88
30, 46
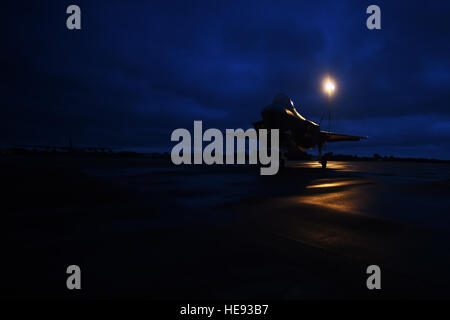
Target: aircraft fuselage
294, 131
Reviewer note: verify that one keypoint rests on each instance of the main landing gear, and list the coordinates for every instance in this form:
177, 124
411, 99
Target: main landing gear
323, 159
323, 162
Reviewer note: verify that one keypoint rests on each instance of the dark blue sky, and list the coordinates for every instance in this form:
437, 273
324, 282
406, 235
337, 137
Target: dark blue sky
140, 69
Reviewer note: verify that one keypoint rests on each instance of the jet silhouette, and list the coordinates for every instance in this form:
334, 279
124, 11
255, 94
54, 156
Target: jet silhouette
296, 132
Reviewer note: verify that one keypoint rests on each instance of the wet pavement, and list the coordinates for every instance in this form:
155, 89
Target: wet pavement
140, 228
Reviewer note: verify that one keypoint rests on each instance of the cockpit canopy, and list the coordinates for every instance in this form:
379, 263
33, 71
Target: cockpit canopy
282, 100
282, 103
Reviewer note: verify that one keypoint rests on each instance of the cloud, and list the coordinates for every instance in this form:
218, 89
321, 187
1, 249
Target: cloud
137, 70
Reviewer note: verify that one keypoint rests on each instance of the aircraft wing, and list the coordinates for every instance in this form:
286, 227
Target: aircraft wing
336, 137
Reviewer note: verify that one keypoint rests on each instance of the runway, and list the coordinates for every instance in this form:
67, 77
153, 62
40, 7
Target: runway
145, 228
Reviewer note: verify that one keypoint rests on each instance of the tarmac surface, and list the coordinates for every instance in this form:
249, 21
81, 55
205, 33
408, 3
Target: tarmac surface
144, 228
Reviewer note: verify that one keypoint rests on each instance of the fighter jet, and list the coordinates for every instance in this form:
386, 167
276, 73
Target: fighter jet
296, 132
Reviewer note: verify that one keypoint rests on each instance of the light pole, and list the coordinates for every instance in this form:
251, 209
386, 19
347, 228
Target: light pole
329, 87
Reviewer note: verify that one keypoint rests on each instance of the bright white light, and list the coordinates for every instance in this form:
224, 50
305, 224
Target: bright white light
329, 86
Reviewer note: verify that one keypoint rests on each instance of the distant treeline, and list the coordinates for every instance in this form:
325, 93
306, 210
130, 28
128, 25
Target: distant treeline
301, 155
291, 155
377, 157
94, 152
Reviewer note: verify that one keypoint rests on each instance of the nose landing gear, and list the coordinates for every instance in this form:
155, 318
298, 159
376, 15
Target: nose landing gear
283, 160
